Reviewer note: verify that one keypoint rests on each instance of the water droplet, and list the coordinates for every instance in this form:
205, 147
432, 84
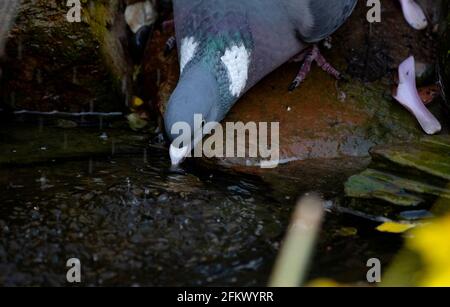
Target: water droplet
20, 50
103, 136
145, 156
113, 147
128, 184
124, 85
91, 166
38, 76
13, 99
158, 77
74, 76
41, 124
65, 142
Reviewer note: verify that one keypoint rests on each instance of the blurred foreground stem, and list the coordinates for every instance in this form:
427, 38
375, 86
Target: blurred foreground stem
293, 259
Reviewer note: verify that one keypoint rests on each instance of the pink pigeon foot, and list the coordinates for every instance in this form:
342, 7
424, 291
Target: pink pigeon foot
414, 14
310, 56
408, 96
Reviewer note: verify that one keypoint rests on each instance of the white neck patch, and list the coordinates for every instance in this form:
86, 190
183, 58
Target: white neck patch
188, 49
237, 61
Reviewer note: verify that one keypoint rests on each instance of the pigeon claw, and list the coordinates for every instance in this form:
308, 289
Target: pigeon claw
313, 55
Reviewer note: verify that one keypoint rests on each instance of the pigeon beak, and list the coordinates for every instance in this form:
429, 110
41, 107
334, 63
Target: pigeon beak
178, 155
192, 104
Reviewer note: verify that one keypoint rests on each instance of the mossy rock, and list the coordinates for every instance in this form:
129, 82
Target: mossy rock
406, 174
53, 64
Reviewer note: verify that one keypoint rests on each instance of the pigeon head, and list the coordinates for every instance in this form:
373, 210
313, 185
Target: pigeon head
197, 94
214, 74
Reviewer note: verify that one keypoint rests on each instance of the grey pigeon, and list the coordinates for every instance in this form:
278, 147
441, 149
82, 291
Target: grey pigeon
227, 46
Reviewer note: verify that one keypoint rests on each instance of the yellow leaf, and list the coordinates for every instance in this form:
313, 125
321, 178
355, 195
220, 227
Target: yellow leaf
432, 242
393, 227
137, 102
323, 283
438, 277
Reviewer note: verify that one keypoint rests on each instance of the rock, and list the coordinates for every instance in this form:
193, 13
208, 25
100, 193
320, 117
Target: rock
430, 156
53, 64
407, 174
324, 119
366, 186
136, 123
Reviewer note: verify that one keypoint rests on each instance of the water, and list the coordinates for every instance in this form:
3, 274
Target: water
132, 220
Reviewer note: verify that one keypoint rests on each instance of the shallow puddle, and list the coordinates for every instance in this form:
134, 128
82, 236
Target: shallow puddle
132, 220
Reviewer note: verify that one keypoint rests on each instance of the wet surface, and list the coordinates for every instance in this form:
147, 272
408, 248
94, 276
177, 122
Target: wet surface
131, 220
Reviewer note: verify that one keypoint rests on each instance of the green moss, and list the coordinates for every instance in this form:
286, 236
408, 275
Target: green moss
70, 60
432, 160
362, 186
101, 17
406, 174
408, 184
390, 122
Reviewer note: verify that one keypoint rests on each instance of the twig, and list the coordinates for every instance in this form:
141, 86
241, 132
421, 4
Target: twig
292, 263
